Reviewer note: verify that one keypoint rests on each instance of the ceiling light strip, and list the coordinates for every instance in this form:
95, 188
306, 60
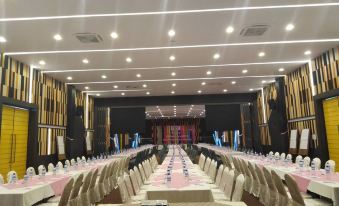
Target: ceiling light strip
169, 12
176, 47
176, 67
187, 79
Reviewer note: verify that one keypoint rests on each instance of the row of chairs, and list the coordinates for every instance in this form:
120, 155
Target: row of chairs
269, 188
227, 186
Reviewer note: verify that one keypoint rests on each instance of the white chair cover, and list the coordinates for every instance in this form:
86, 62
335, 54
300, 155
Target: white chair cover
317, 163
134, 181
50, 167
207, 165
91, 190
73, 199
223, 180
283, 198
255, 180
30, 170
138, 176
229, 182
83, 195
272, 190
219, 174
202, 160
239, 188
248, 176
212, 171
263, 195
142, 173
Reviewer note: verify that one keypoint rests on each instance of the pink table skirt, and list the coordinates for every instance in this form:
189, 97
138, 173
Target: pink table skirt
303, 179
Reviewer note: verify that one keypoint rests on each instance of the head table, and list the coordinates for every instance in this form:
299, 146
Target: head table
25, 193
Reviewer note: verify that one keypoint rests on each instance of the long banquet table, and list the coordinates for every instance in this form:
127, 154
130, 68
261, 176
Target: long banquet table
39, 188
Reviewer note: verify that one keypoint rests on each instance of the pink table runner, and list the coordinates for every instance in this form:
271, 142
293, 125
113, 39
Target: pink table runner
178, 181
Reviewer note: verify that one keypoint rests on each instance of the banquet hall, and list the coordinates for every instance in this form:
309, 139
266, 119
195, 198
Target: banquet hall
157, 102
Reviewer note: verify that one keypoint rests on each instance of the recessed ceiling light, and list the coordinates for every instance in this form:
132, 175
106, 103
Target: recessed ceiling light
115, 86
261, 54
308, 52
87, 88
42, 62
281, 69
129, 59
172, 92
199, 91
171, 33
172, 58
225, 90
2, 39
229, 29
173, 74
244, 71
203, 83
122, 93
174, 84
208, 72
114, 35
85, 61
233, 82
57, 37
216, 56
174, 106
251, 89
289, 27
103, 76
69, 78
138, 75
148, 93
98, 95
144, 85
263, 81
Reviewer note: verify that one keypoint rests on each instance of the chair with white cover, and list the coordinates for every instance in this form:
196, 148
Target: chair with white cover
50, 167
317, 163
283, 198
146, 170
297, 199
297, 159
227, 190
332, 165
238, 188
107, 179
149, 168
100, 187
73, 162
64, 198
219, 174
30, 170
68, 163
212, 171
272, 190
207, 165
142, 173
307, 161
255, 180
74, 198
83, 195
60, 165
263, 195
228, 162
40, 168
2, 181
201, 162
138, 176
282, 156
133, 197
223, 179
248, 176
10, 175
91, 189
237, 169
122, 189
134, 181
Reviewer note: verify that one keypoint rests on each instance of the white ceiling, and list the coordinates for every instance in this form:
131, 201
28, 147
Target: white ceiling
199, 35
175, 111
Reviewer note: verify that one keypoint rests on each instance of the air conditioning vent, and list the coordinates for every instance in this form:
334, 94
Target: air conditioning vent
214, 84
132, 87
88, 38
254, 30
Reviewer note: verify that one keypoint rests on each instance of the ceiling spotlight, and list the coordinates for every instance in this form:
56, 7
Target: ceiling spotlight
173, 74
174, 106
87, 88
225, 90
98, 95
144, 85
128, 59
138, 75
69, 78
199, 91
122, 94
229, 29
174, 84
148, 93
216, 56
85, 61
308, 52
281, 69
244, 71
114, 35
172, 58
57, 37
208, 72
289, 27
172, 92
2, 39
115, 86
261, 54
263, 81
203, 83
42, 62
103, 76
171, 33
233, 82
251, 89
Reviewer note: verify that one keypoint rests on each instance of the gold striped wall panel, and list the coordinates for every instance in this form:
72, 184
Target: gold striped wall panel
298, 99
14, 78
325, 71
264, 135
79, 99
270, 92
43, 140
90, 112
51, 97
259, 108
